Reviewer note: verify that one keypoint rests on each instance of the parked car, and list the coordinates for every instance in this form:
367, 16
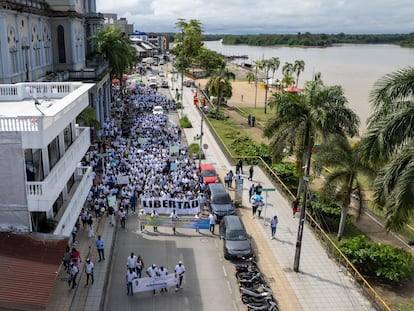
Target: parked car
219, 200
236, 241
208, 173
164, 84
161, 73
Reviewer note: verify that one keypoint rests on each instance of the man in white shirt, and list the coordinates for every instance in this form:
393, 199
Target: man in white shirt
162, 272
213, 218
73, 274
173, 217
132, 262
89, 266
179, 271
152, 272
130, 276
154, 215
122, 216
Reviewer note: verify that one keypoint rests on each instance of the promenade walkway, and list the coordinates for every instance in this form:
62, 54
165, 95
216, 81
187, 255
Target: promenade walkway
320, 285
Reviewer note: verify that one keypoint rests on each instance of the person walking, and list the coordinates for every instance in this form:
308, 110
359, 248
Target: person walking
260, 205
251, 170
141, 223
212, 218
197, 218
162, 272
273, 226
122, 217
111, 213
89, 266
251, 192
100, 247
75, 257
152, 272
74, 270
154, 215
66, 259
132, 262
179, 272
89, 221
130, 276
140, 266
295, 207
74, 232
240, 165
174, 218
255, 204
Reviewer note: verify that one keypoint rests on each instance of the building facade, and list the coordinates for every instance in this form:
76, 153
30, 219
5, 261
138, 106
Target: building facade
42, 148
48, 41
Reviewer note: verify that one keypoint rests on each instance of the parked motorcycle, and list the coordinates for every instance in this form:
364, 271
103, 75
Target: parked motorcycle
268, 304
250, 265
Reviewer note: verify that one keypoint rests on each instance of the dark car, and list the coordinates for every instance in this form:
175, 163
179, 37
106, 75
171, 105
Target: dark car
219, 200
164, 84
236, 242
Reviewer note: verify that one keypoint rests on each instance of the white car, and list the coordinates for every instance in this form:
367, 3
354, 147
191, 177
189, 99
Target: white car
157, 110
161, 74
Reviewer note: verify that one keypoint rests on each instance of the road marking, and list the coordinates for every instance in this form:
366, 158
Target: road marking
224, 271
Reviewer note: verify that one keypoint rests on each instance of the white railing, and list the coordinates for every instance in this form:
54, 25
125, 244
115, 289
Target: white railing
21, 124
40, 90
48, 190
77, 201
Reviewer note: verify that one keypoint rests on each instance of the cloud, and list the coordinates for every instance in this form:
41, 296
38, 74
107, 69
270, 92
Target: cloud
266, 16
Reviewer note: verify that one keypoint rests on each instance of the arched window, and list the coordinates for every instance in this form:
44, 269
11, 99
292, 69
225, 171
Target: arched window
61, 44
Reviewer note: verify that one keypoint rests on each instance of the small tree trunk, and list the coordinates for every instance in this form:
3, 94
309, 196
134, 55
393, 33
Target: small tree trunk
344, 213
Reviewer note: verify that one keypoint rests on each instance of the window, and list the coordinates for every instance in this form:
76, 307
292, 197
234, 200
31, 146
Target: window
53, 152
34, 164
70, 182
58, 204
67, 134
61, 44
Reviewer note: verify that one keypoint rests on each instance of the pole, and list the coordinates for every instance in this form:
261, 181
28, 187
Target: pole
182, 74
255, 94
265, 208
201, 142
301, 225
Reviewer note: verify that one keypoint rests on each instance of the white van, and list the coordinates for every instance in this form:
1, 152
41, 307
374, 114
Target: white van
157, 110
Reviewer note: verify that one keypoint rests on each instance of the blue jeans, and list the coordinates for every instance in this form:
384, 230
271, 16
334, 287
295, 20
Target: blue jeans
273, 231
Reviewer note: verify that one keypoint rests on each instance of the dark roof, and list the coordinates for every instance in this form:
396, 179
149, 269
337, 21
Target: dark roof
29, 265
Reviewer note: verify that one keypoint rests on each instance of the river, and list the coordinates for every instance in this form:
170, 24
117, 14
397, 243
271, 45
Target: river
355, 67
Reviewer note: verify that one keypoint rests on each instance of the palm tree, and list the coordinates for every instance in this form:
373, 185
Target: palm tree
287, 71
250, 77
298, 67
389, 146
344, 161
300, 119
111, 44
274, 66
219, 85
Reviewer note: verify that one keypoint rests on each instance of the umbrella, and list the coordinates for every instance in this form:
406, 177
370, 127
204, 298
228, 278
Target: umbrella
257, 197
292, 89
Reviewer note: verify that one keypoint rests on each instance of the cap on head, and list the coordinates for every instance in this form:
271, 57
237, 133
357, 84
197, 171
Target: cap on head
180, 262
154, 265
87, 259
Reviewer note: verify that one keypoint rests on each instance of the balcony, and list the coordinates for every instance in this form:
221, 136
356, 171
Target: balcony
42, 195
77, 199
92, 72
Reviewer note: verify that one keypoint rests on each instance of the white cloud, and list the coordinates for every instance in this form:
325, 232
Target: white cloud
267, 16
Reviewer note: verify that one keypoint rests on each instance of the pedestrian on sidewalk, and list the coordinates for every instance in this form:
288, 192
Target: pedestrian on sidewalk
75, 257
130, 276
74, 270
91, 232
66, 259
273, 226
179, 273
295, 207
122, 217
89, 266
111, 214
74, 232
260, 205
240, 163
251, 192
100, 246
251, 170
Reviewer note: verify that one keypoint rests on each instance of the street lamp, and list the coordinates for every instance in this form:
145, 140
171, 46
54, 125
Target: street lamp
182, 72
201, 142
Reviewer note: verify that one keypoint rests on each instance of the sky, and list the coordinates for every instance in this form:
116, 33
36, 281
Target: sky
267, 16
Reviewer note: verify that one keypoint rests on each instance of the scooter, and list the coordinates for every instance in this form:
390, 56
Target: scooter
259, 292
268, 304
250, 280
249, 266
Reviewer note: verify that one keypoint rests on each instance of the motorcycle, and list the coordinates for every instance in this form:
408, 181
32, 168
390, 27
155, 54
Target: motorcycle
268, 304
257, 294
250, 280
249, 266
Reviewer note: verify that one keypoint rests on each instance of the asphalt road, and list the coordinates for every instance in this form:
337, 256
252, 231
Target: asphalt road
209, 282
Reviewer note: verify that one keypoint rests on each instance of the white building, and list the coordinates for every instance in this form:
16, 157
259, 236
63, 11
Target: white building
41, 148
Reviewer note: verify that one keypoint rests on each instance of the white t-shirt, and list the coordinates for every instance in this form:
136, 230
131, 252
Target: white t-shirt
179, 269
132, 261
131, 276
89, 267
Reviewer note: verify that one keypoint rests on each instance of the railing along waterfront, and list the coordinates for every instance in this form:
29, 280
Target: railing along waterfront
332, 249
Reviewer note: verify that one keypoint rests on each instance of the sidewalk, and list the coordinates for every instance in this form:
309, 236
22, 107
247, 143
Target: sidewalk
321, 284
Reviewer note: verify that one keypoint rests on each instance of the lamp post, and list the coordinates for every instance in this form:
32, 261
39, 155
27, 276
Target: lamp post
301, 225
182, 72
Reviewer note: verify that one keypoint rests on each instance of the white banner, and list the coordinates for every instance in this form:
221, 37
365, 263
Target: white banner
122, 180
158, 282
166, 206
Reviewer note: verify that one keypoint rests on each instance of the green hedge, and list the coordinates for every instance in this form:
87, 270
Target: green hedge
185, 122
385, 262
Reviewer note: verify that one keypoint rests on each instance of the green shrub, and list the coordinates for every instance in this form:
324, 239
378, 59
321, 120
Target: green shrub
218, 115
385, 262
178, 105
195, 148
245, 146
287, 173
185, 122
328, 214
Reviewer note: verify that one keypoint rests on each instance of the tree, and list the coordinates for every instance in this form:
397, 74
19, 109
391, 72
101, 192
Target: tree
287, 71
250, 77
267, 65
219, 85
344, 162
111, 44
300, 119
274, 66
389, 146
298, 67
